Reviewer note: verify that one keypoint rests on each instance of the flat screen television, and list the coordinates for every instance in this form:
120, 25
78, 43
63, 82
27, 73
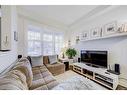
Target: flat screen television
94, 58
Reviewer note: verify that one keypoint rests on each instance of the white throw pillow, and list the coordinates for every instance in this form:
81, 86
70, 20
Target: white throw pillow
37, 61
53, 59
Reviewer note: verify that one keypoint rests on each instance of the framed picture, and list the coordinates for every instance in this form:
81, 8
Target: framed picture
110, 28
15, 36
95, 32
85, 35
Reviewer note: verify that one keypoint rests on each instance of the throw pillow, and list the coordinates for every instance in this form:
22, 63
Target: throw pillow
53, 59
37, 61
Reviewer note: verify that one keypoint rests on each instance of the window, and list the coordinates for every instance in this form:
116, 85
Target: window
47, 44
42, 42
34, 42
52, 43
58, 43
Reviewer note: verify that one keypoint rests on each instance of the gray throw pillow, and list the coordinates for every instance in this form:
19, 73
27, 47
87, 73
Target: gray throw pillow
53, 59
37, 61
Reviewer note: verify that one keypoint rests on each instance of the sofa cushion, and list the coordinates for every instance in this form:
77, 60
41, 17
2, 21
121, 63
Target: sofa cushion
17, 75
52, 84
43, 87
38, 70
36, 61
11, 84
45, 83
53, 59
47, 73
49, 79
13, 80
56, 69
37, 83
47, 86
37, 76
25, 67
42, 79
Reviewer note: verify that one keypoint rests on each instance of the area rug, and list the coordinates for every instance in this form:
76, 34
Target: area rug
77, 82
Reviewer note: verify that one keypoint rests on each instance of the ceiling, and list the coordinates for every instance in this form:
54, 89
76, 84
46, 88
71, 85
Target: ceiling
65, 14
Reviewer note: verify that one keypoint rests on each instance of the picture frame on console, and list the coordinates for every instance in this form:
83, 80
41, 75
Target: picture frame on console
110, 28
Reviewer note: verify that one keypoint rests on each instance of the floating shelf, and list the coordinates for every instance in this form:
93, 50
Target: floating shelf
106, 36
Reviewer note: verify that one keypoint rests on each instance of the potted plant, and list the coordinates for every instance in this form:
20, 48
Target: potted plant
71, 52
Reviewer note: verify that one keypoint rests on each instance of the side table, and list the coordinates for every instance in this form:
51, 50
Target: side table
71, 66
66, 62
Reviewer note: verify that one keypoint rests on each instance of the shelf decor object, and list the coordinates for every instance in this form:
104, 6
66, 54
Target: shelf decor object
122, 28
110, 28
95, 32
84, 35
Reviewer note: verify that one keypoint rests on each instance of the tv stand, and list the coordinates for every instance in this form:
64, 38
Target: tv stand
92, 65
99, 75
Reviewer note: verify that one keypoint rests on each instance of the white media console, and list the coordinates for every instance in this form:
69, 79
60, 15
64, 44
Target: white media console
99, 75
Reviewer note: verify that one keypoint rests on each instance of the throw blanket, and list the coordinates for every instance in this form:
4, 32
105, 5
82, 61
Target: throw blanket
78, 83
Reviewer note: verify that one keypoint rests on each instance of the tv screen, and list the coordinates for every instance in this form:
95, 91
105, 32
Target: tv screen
98, 58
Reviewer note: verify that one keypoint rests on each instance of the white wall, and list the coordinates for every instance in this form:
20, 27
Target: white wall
116, 47
7, 58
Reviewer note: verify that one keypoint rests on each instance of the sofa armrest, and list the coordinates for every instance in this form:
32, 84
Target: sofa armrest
57, 68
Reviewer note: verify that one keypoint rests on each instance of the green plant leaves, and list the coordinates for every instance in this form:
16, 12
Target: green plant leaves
71, 52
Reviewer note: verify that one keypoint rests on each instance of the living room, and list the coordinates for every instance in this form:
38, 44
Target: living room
59, 47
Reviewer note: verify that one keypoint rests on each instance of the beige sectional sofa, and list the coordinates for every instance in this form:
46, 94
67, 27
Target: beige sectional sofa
23, 77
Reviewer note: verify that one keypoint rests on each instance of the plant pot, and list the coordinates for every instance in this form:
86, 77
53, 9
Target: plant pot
70, 57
